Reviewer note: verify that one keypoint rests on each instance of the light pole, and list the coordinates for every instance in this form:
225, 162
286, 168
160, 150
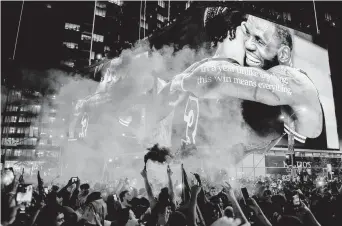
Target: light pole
92, 34
291, 139
16, 39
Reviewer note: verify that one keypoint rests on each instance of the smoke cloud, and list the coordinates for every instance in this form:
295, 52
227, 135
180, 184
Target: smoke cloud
110, 150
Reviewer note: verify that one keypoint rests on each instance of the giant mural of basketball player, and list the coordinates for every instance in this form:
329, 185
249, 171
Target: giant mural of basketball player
249, 107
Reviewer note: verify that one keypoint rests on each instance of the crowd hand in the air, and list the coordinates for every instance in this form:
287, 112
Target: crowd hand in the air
10, 204
169, 171
144, 173
227, 189
253, 205
225, 221
195, 190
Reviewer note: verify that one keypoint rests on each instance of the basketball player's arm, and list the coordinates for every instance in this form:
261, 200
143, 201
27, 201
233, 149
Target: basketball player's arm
283, 86
166, 100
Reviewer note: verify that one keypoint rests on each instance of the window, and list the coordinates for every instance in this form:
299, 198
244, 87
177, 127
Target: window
52, 119
70, 26
43, 142
33, 131
187, 4
101, 5
11, 119
27, 131
98, 38
287, 16
161, 3
100, 12
24, 108
71, 45
12, 108
30, 141
68, 63
106, 48
92, 55
118, 2
20, 130
17, 152
328, 17
160, 18
85, 37
11, 130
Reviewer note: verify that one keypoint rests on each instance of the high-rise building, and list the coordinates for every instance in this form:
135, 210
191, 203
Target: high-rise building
91, 30
31, 135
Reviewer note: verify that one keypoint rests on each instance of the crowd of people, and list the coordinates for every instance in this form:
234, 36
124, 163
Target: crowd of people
257, 201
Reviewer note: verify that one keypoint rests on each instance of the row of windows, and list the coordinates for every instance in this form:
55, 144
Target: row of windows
17, 141
31, 131
74, 27
96, 37
328, 17
71, 45
101, 5
118, 2
100, 12
106, 48
15, 95
85, 37
30, 153
68, 63
187, 5
161, 18
27, 141
11, 119
32, 108
161, 3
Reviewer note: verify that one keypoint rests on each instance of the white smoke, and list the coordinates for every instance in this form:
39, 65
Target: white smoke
128, 78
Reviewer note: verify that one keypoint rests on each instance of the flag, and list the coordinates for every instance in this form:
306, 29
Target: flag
186, 192
40, 186
21, 178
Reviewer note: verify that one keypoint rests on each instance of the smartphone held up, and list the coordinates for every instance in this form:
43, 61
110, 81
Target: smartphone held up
24, 193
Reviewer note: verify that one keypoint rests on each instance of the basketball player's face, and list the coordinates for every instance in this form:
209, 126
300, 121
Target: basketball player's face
261, 44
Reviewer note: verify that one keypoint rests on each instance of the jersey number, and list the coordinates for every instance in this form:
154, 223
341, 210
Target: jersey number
191, 115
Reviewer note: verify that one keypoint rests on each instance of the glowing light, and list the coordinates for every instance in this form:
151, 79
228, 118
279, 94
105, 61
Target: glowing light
63, 119
123, 134
320, 183
110, 160
62, 136
50, 136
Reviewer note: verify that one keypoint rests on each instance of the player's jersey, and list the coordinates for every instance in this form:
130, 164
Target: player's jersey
228, 124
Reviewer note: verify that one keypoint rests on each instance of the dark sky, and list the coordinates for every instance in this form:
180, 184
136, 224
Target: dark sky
10, 13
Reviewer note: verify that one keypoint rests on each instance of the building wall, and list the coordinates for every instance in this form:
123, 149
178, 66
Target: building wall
30, 133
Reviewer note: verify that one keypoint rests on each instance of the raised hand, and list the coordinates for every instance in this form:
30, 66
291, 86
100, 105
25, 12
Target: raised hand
225, 221
195, 189
169, 171
144, 173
